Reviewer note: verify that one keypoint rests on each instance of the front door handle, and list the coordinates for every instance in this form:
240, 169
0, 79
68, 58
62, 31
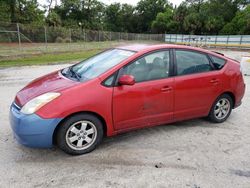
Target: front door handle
166, 89
214, 81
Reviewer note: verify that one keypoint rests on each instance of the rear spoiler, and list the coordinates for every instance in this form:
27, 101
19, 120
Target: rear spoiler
227, 57
218, 53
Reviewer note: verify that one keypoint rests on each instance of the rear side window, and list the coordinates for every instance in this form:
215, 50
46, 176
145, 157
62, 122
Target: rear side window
218, 62
190, 62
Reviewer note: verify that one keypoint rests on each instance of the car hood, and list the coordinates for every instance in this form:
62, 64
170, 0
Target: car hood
53, 82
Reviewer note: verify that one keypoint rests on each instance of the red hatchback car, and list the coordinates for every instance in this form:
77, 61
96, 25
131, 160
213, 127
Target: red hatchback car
122, 89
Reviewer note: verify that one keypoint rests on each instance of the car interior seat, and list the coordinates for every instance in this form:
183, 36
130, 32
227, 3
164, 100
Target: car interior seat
140, 70
158, 70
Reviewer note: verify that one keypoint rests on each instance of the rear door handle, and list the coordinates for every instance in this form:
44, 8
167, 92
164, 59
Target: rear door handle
166, 89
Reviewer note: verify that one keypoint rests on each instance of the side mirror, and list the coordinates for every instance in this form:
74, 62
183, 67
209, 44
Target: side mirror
126, 80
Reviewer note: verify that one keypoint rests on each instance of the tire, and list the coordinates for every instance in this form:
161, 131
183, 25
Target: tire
79, 134
221, 109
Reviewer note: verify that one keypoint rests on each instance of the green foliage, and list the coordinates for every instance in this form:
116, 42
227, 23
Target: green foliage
155, 16
119, 17
21, 11
205, 17
240, 24
164, 22
146, 11
4, 11
53, 19
82, 13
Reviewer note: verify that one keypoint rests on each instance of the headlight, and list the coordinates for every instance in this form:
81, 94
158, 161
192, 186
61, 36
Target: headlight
34, 104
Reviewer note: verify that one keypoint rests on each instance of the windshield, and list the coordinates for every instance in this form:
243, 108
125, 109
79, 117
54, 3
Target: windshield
96, 65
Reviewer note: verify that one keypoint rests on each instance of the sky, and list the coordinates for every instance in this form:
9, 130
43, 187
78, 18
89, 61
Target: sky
132, 2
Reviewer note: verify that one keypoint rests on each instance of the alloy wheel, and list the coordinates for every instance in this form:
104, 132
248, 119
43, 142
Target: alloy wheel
81, 135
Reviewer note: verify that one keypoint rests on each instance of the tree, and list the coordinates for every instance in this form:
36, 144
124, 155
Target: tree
240, 24
147, 11
164, 22
193, 23
4, 11
85, 13
28, 12
21, 11
179, 16
113, 17
120, 17
53, 19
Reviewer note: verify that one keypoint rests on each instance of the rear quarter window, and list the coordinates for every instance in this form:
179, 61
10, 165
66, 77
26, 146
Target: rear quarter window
218, 62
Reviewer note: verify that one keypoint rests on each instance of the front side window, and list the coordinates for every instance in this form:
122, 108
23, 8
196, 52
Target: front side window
110, 80
150, 67
190, 62
98, 64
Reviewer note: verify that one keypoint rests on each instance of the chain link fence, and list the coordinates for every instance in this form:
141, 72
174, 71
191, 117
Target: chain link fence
18, 33
19, 39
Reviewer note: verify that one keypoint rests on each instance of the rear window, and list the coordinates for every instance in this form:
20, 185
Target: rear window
218, 62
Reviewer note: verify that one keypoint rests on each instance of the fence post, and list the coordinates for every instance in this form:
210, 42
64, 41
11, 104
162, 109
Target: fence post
241, 40
19, 37
70, 36
99, 37
216, 40
227, 40
205, 38
45, 38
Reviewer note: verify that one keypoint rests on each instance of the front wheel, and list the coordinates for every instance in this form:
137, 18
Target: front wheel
221, 109
79, 134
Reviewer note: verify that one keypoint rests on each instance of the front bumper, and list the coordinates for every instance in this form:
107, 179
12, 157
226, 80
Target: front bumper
32, 130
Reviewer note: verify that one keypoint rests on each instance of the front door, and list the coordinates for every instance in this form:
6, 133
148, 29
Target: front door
150, 100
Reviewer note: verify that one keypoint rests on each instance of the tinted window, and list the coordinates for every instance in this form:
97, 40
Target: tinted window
150, 67
218, 62
189, 62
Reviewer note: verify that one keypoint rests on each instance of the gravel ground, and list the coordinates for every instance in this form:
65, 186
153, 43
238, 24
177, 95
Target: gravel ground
192, 153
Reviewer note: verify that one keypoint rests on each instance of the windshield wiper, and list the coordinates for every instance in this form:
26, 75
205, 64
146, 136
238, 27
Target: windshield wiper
74, 74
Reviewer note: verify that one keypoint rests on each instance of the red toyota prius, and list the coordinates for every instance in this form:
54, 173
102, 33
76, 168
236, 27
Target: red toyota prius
123, 89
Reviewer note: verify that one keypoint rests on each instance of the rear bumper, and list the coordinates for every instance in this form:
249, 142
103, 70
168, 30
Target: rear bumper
32, 130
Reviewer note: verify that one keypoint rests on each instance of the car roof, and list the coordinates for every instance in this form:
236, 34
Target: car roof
140, 47
149, 47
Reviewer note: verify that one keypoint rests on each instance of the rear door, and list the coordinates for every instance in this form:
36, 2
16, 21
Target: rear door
197, 84
150, 100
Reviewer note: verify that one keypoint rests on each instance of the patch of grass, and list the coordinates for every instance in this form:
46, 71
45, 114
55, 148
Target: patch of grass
44, 59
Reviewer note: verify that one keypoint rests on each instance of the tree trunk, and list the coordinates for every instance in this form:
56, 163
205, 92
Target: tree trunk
12, 4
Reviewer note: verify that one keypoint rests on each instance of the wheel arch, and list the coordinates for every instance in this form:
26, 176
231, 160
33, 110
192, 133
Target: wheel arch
231, 94
80, 112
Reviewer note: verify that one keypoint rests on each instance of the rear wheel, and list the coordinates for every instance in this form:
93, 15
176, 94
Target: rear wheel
80, 134
221, 109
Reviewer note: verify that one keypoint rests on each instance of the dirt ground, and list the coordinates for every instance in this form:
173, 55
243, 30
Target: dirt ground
192, 153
